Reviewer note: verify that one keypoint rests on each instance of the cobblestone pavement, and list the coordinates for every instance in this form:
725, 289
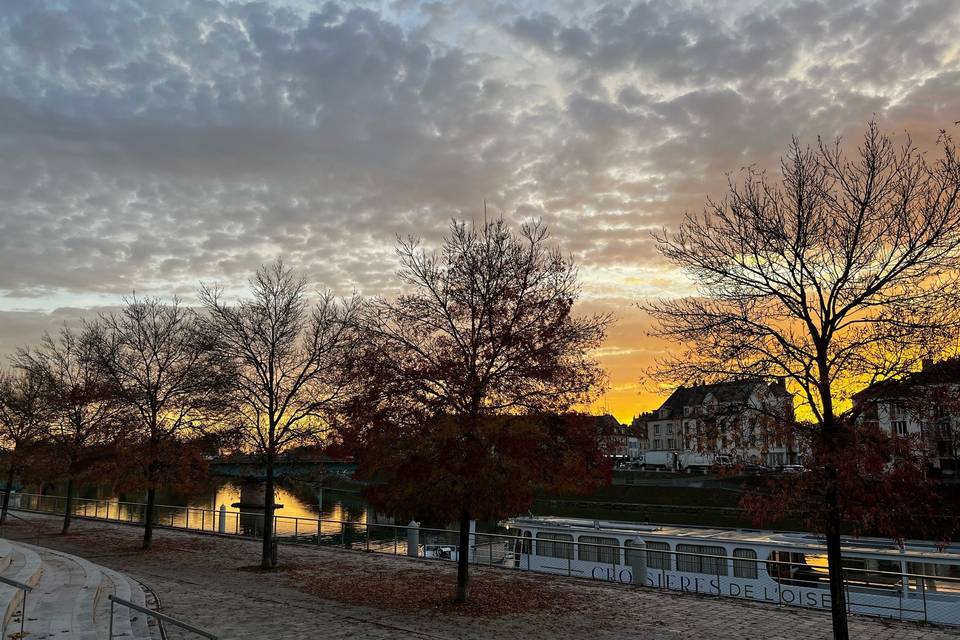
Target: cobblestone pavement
206, 580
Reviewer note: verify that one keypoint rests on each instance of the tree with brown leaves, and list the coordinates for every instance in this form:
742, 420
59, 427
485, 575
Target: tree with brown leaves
23, 417
163, 366
459, 372
843, 271
83, 409
288, 357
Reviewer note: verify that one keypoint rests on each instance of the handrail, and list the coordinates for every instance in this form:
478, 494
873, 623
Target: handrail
19, 585
155, 614
23, 604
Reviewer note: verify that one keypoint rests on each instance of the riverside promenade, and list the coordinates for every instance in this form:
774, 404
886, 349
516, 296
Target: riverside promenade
323, 593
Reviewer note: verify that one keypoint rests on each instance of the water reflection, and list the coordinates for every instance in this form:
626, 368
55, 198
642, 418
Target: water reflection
298, 515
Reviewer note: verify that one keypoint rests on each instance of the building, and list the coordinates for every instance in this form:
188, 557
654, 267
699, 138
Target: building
744, 419
924, 404
614, 437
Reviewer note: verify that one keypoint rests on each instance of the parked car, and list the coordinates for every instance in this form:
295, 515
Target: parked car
791, 468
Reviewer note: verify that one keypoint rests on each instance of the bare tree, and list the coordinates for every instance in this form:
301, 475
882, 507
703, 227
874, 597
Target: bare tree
288, 356
485, 329
842, 272
80, 400
23, 418
163, 367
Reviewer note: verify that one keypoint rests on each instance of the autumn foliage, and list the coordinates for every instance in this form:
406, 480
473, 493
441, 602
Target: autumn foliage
884, 488
430, 473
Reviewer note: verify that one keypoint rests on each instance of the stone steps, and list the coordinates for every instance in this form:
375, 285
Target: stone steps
70, 596
23, 565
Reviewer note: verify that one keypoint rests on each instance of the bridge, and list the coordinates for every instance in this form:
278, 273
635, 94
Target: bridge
253, 468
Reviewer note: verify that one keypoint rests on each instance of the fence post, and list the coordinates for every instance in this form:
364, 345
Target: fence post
923, 581
717, 565
472, 546
413, 539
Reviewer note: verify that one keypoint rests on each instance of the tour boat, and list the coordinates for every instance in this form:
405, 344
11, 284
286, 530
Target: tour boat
918, 580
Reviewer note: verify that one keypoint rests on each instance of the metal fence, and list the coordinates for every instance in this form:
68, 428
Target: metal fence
875, 590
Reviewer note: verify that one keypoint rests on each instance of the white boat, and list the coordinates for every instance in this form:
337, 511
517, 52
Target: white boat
918, 581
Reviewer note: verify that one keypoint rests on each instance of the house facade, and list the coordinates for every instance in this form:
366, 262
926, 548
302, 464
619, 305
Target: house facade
924, 405
743, 419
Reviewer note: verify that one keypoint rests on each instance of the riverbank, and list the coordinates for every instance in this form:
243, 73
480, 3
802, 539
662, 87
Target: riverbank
334, 593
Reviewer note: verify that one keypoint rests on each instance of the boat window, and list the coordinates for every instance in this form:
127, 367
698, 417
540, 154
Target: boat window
944, 577
632, 554
699, 563
527, 543
791, 568
658, 555
555, 545
870, 572
744, 564
607, 550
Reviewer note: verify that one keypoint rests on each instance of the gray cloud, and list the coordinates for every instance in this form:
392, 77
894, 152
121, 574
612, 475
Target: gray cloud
146, 146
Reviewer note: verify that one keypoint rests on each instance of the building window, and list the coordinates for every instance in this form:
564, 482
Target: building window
900, 427
555, 545
669, 430
671, 443
744, 564
656, 430
595, 549
700, 563
656, 444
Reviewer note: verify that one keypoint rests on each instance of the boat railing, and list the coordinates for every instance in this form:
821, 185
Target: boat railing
914, 591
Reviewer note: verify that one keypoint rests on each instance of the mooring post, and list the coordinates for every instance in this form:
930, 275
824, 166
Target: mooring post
222, 525
638, 562
413, 539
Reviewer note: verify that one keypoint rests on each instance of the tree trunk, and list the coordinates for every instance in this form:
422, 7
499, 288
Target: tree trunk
838, 596
463, 558
266, 559
832, 438
68, 511
6, 494
148, 518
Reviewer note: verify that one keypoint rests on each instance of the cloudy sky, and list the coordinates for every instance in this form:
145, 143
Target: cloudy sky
148, 145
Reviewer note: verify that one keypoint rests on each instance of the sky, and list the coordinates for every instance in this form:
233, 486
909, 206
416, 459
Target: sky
146, 146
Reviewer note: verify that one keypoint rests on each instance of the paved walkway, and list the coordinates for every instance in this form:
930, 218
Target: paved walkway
330, 594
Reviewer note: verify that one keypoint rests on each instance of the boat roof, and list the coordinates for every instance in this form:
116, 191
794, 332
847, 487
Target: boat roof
794, 540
